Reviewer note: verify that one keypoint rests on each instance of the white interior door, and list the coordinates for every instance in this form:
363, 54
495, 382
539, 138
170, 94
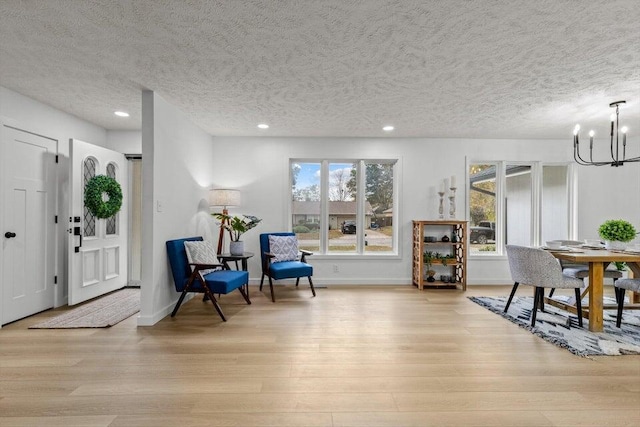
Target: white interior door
28, 188
97, 247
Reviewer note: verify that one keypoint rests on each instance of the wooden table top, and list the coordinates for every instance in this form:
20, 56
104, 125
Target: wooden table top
596, 255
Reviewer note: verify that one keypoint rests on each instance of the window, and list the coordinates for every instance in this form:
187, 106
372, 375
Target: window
517, 203
112, 221
89, 171
344, 206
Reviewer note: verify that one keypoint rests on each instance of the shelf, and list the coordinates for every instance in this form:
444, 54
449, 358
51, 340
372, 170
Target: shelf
456, 266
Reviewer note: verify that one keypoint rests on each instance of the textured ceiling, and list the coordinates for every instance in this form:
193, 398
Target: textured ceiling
454, 68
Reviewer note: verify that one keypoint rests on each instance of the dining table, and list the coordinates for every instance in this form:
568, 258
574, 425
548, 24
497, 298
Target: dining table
598, 260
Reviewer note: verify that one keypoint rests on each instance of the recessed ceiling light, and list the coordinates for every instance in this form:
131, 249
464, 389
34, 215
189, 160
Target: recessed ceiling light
263, 126
121, 114
388, 128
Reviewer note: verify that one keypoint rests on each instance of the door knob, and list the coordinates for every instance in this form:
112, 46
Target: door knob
9, 234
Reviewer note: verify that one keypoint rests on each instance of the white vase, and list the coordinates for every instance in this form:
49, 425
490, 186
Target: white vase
236, 248
615, 245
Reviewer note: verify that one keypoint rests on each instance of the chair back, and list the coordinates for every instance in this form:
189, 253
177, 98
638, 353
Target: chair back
179, 262
264, 245
535, 267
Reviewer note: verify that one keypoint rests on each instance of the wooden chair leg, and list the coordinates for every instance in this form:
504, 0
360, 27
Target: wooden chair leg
215, 303
273, 296
513, 292
245, 295
551, 292
297, 281
620, 292
175, 309
579, 306
261, 282
313, 291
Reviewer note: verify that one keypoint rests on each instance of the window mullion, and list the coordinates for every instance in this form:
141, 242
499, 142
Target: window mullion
360, 202
324, 206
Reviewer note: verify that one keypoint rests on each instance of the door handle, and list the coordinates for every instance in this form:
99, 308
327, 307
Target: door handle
77, 232
9, 235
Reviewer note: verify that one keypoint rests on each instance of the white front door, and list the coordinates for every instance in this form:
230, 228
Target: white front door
97, 247
28, 195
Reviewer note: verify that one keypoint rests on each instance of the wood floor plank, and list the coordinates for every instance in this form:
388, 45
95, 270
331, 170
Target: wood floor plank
352, 356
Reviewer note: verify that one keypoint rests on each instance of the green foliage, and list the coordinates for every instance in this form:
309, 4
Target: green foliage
618, 230
300, 229
620, 266
487, 248
93, 196
237, 225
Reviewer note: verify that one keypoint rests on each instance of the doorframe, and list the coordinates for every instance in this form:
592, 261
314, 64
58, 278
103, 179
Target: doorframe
12, 124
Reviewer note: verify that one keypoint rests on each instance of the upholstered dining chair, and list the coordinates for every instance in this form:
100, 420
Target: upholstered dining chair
581, 271
195, 268
281, 259
538, 268
621, 286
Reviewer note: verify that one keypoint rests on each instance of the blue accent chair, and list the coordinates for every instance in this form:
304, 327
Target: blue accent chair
218, 282
284, 269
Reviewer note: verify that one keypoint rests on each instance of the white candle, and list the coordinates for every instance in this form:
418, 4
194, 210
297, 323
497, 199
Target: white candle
453, 181
442, 187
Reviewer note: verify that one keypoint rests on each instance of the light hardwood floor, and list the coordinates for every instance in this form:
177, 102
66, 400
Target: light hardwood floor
352, 356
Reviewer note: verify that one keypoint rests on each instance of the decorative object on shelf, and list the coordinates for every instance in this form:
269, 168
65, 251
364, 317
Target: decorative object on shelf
452, 198
617, 232
615, 151
226, 198
454, 237
445, 238
427, 258
237, 226
441, 207
94, 199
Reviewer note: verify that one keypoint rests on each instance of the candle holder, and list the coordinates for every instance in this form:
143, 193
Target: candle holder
441, 208
452, 202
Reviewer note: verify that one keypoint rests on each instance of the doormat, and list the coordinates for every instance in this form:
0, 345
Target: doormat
103, 312
561, 328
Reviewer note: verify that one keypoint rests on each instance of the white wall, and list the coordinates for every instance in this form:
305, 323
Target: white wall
125, 141
177, 173
259, 168
30, 115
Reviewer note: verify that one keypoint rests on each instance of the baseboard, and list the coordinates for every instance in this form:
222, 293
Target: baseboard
162, 313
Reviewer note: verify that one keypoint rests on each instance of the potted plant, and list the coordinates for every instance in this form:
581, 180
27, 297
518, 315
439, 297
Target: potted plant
237, 226
616, 232
428, 258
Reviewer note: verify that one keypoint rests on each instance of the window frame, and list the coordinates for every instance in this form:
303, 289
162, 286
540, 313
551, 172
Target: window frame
360, 199
536, 201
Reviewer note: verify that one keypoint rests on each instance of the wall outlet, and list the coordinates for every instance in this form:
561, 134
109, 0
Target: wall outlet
335, 268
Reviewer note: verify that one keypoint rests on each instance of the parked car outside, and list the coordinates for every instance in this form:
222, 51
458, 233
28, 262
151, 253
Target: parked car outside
349, 227
483, 232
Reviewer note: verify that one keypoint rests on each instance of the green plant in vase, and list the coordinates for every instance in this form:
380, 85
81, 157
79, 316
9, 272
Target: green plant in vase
616, 232
428, 258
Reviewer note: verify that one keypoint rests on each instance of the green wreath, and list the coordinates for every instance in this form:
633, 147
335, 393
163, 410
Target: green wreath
93, 199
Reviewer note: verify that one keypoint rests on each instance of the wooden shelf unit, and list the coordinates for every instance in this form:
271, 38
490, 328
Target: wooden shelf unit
456, 266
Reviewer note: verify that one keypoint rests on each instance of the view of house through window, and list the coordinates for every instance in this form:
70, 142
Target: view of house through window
343, 207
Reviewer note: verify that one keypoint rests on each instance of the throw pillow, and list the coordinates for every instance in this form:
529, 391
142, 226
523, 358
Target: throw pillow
201, 252
285, 248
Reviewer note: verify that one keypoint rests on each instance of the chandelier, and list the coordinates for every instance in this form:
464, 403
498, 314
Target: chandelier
615, 149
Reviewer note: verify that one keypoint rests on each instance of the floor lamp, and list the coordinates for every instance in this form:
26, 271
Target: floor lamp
225, 198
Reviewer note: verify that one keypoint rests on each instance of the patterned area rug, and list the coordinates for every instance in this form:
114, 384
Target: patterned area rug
100, 313
561, 328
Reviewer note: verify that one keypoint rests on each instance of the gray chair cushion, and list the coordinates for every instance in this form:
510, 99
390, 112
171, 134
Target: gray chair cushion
583, 272
629, 284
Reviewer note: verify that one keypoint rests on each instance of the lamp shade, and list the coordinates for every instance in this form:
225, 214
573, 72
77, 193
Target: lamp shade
224, 197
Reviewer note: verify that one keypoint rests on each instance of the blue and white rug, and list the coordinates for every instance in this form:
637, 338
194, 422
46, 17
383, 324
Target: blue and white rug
561, 328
